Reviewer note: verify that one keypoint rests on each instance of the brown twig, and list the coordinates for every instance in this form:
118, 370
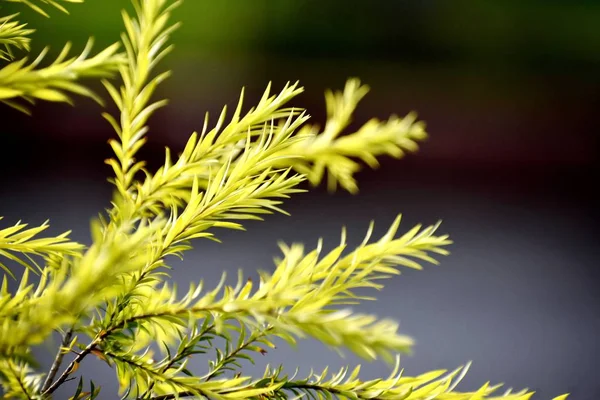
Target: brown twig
57, 360
70, 368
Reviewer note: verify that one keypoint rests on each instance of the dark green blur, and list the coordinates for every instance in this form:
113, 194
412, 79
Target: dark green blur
515, 35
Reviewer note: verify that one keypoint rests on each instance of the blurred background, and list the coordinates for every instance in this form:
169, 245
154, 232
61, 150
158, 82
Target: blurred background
510, 92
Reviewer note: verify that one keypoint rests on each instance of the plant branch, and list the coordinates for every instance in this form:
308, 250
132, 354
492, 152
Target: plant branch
175, 360
153, 374
61, 78
57, 360
253, 338
286, 386
71, 368
173, 396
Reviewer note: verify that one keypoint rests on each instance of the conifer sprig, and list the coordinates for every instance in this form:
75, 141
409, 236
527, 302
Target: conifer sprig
279, 305
144, 43
13, 35
347, 385
329, 152
204, 154
56, 81
18, 380
18, 244
63, 295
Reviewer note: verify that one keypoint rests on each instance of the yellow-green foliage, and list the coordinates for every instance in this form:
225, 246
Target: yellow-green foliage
116, 293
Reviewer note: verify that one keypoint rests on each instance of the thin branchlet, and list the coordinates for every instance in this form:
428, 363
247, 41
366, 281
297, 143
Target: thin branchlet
57, 360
